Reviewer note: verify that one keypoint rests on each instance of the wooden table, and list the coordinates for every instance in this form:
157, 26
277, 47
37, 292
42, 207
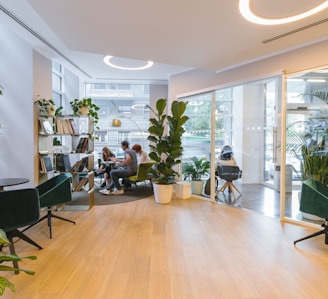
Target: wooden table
6, 182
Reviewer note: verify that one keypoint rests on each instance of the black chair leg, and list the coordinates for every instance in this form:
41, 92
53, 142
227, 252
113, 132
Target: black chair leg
311, 236
48, 216
324, 231
18, 234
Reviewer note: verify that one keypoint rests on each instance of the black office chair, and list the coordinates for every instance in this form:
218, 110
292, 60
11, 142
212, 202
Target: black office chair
19, 208
229, 174
314, 201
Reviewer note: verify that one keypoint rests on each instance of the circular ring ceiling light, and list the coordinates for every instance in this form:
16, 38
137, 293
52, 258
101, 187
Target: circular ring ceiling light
244, 8
108, 58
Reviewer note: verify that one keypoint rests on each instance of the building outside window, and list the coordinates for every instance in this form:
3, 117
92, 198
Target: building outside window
126, 103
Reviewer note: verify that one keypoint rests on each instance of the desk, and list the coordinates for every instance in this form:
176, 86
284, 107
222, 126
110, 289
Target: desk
6, 182
111, 164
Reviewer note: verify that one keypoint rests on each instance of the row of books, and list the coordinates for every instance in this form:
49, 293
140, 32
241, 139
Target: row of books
67, 126
83, 145
63, 164
64, 126
80, 166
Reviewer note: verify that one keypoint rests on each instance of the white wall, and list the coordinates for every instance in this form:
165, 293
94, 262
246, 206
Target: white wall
294, 61
16, 108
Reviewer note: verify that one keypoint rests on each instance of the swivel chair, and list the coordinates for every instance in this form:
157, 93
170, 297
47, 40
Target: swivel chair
53, 192
229, 174
314, 200
19, 208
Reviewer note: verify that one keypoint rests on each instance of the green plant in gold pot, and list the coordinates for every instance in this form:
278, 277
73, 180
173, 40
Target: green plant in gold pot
85, 106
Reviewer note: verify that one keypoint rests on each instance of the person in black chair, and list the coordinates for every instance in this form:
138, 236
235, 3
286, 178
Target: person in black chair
228, 170
226, 157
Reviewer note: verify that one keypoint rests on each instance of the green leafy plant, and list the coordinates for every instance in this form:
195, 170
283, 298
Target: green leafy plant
47, 107
1, 89
166, 147
5, 283
314, 163
196, 169
93, 109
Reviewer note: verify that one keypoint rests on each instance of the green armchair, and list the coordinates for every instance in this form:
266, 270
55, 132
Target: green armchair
55, 191
19, 208
314, 200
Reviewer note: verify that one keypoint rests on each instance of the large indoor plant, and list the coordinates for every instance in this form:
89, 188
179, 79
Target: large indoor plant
194, 172
85, 106
166, 146
4, 282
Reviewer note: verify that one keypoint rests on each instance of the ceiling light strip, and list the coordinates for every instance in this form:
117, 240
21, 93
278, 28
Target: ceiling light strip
107, 60
294, 31
249, 15
39, 37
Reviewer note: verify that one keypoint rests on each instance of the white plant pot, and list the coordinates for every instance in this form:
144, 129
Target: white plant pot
163, 193
197, 187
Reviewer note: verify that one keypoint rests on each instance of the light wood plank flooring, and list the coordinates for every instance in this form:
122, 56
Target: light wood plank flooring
191, 249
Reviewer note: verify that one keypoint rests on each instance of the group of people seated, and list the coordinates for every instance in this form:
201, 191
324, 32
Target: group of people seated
120, 168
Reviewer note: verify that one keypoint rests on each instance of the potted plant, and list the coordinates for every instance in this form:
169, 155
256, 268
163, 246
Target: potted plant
313, 160
46, 107
85, 106
166, 146
5, 283
194, 172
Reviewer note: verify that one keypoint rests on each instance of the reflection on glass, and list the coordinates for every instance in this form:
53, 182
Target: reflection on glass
306, 128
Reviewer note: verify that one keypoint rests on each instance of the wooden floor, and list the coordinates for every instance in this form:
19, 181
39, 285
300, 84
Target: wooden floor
189, 249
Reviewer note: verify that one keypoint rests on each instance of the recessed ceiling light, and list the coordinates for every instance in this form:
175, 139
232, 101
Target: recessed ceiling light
244, 8
108, 58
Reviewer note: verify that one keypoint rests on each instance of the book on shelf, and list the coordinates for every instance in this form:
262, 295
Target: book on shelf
45, 164
74, 126
82, 146
46, 126
63, 163
82, 182
80, 165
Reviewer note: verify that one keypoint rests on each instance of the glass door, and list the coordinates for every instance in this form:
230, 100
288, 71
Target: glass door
306, 134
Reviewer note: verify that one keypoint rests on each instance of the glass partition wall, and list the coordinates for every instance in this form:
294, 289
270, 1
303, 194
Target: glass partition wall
306, 149
244, 117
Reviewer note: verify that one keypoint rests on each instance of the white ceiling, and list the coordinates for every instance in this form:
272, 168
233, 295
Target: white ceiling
177, 35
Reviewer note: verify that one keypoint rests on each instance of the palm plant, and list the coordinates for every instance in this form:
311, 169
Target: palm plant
196, 169
313, 164
5, 283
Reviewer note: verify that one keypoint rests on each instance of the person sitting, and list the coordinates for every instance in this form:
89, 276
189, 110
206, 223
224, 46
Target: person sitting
107, 154
226, 157
142, 156
128, 167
